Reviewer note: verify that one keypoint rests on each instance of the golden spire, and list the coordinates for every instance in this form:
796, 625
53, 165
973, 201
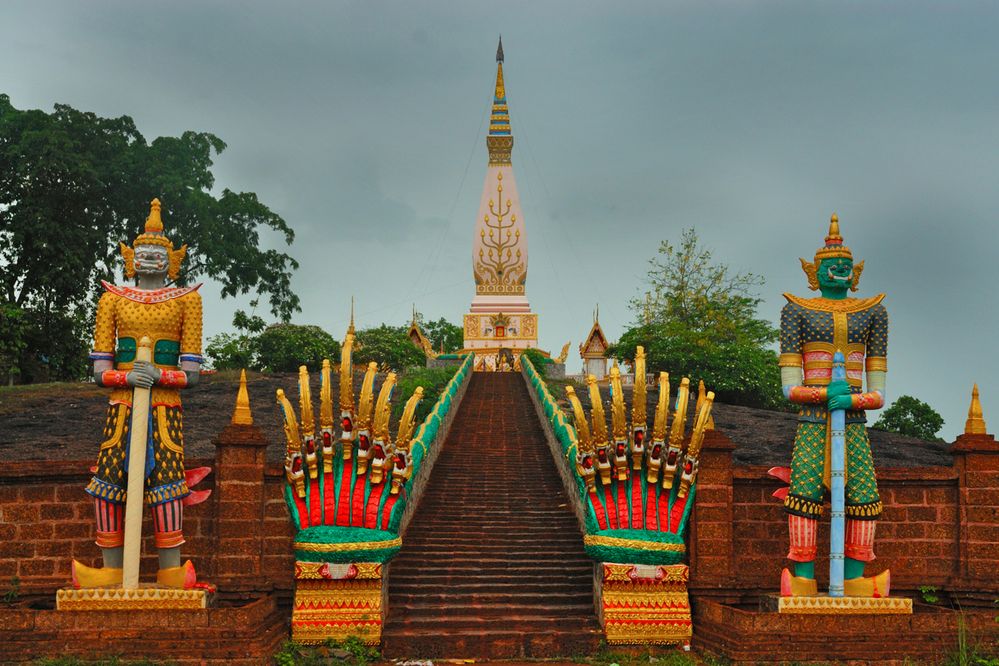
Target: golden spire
241, 415
834, 246
975, 425
500, 139
350, 328
834, 230
154, 223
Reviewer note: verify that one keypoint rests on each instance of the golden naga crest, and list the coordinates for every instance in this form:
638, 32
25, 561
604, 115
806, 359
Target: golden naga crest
564, 354
373, 444
675, 460
153, 235
833, 248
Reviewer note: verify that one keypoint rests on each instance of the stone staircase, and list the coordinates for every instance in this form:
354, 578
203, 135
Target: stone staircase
492, 565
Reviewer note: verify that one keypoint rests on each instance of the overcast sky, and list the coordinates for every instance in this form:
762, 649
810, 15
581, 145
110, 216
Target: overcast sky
363, 125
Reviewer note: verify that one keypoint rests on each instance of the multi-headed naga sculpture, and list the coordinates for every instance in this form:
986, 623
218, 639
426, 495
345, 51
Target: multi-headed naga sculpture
353, 480
347, 494
632, 484
635, 494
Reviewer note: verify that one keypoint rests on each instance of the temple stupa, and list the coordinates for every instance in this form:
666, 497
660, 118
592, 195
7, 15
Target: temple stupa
500, 317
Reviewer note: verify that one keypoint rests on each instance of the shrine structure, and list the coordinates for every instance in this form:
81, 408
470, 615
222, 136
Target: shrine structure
593, 350
500, 317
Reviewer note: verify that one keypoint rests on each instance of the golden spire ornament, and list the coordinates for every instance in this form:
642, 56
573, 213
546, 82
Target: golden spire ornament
241, 415
975, 425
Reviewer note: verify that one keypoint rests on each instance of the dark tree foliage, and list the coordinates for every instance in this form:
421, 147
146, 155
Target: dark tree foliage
285, 347
389, 346
698, 320
910, 416
73, 185
276, 348
442, 333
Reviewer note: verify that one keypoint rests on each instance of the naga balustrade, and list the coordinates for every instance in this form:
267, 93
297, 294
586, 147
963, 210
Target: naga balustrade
351, 496
632, 495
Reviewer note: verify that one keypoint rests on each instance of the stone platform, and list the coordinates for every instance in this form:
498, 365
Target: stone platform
824, 605
140, 599
746, 634
236, 631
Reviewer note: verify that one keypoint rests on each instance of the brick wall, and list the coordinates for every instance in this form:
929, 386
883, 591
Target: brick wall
939, 527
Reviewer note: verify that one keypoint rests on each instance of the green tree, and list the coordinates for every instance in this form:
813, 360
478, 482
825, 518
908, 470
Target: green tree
389, 345
73, 185
13, 334
698, 319
276, 348
442, 333
285, 347
910, 416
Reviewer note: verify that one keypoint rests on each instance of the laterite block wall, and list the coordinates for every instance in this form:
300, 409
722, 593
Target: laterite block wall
940, 526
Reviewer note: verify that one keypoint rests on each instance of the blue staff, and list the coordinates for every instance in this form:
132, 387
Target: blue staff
837, 485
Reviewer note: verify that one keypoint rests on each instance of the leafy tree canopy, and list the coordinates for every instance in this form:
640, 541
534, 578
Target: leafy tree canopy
284, 347
698, 320
73, 185
910, 416
442, 334
388, 345
281, 347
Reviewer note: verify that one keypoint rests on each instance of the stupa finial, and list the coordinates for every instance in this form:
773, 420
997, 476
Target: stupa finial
975, 425
500, 138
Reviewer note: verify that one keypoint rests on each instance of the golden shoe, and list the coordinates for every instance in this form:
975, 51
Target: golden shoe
797, 586
182, 577
84, 576
874, 586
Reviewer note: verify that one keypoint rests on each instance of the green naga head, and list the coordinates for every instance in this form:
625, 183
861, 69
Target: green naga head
833, 271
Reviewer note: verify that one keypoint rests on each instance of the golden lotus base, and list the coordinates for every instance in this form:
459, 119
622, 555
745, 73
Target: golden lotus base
823, 605
142, 598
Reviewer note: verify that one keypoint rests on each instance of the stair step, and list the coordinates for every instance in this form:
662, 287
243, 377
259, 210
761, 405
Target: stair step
454, 599
479, 587
524, 619
398, 642
492, 565
413, 562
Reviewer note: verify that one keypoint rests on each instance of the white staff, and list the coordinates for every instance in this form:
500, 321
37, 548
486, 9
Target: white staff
138, 435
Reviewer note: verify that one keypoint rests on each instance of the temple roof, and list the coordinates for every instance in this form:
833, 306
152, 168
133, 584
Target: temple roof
596, 333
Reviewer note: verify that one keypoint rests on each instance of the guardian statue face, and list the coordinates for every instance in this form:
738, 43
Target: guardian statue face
151, 261
835, 275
